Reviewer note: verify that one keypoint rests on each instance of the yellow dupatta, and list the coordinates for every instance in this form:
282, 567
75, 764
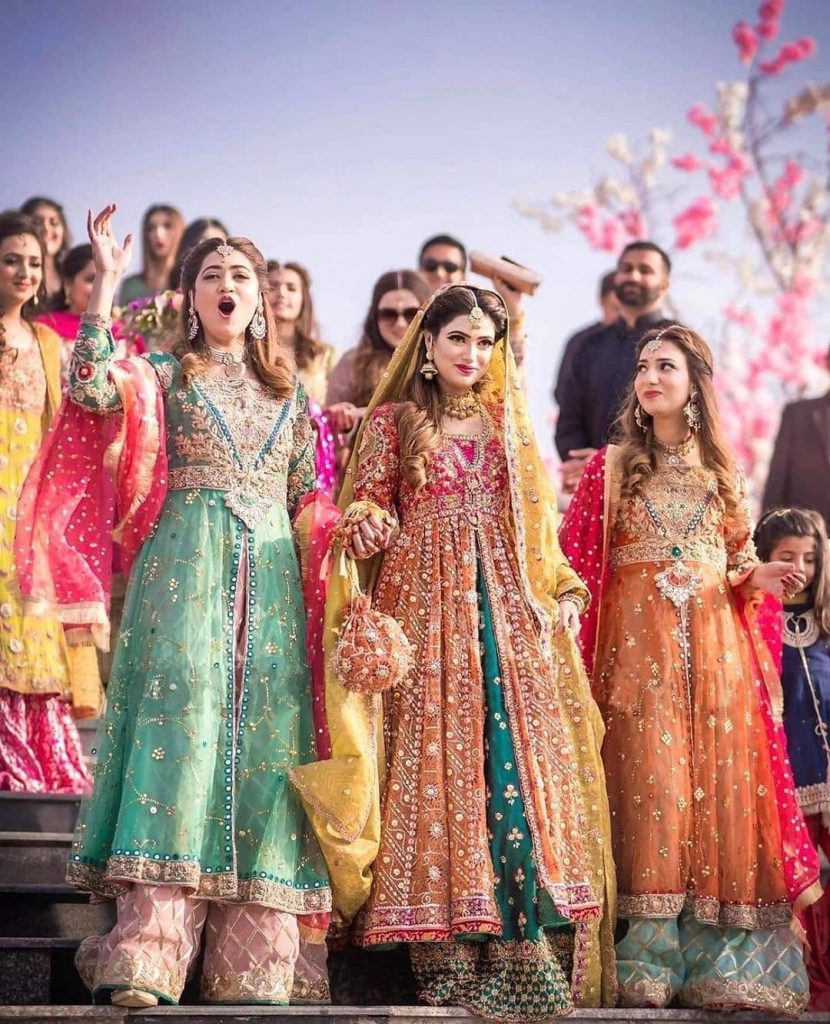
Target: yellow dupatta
342, 795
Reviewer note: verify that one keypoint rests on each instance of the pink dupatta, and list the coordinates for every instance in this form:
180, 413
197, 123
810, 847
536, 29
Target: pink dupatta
66, 511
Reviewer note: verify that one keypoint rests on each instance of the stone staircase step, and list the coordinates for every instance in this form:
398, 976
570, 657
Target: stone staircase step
356, 1015
51, 912
38, 812
88, 730
34, 858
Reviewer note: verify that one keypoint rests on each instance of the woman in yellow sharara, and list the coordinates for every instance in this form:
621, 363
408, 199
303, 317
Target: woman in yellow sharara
465, 810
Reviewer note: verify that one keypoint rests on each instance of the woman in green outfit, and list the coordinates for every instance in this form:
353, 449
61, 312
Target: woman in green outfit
193, 826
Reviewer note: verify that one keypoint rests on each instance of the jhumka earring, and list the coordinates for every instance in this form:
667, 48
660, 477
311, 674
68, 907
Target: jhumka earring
639, 415
691, 410
258, 326
429, 371
192, 323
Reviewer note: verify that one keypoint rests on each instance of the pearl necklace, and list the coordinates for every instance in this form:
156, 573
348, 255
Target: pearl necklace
234, 365
460, 407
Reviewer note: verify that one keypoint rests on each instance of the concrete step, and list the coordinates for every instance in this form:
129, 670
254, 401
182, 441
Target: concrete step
34, 858
355, 1015
51, 912
88, 730
38, 812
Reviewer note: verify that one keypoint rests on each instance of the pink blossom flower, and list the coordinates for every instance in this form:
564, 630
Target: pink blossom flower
807, 47
771, 9
793, 174
720, 145
703, 118
697, 222
771, 67
726, 181
689, 162
740, 317
768, 30
610, 237
746, 41
632, 221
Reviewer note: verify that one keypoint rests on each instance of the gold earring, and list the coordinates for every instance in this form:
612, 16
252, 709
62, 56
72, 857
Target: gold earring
691, 410
639, 414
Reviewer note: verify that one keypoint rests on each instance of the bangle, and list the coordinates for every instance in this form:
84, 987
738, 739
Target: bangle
103, 323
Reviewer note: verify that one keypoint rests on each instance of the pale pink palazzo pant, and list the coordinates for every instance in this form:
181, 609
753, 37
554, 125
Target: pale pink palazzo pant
250, 950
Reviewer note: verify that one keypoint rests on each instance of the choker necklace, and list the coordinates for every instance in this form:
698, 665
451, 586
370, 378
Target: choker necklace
675, 453
234, 365
460, 407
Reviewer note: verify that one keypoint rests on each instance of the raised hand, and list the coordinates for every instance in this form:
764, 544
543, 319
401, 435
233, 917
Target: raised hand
107, 255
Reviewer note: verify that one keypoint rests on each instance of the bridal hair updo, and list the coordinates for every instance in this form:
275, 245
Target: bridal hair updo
271, 364
638, 455
418, 415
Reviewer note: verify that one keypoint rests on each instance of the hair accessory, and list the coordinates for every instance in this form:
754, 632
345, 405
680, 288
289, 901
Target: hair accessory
460, 407
691, 410
476, 316
258, 326
224, 250
192, 323
639, 416
655, 343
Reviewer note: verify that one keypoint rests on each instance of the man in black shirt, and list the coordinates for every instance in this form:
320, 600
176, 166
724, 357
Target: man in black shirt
610, 307
593, 385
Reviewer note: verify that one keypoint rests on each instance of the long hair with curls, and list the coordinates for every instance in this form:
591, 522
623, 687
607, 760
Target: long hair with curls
307, 344
29, 208
271, 364
373, 354
638, 456
418, 415
178, 230
779, 523
13, 223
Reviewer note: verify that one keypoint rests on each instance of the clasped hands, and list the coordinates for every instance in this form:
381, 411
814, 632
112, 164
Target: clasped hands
368, 536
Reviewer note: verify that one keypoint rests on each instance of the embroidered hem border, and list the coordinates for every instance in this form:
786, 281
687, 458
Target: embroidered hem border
813, 799
706, 909
743, 995
122, 871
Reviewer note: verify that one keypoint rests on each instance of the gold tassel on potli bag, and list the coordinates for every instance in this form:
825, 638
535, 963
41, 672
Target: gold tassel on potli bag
373, 653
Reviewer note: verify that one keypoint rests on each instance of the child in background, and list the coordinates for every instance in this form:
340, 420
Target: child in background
798, 536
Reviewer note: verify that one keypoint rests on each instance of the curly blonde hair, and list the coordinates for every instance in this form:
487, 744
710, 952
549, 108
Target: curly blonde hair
638, 449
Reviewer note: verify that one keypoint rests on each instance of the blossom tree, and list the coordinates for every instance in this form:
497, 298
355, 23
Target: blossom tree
756, 183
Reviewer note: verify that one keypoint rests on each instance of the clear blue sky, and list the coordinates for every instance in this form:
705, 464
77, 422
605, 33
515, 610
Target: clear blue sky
343, 133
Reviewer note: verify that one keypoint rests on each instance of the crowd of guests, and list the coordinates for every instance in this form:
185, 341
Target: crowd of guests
696, 819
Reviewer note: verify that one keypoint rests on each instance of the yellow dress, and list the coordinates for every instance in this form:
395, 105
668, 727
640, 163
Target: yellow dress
39, 746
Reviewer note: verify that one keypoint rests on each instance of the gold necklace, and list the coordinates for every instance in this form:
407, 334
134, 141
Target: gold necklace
460, 407
675, 453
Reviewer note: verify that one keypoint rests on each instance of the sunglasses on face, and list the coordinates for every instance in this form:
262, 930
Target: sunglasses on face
430, 265
390, 316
